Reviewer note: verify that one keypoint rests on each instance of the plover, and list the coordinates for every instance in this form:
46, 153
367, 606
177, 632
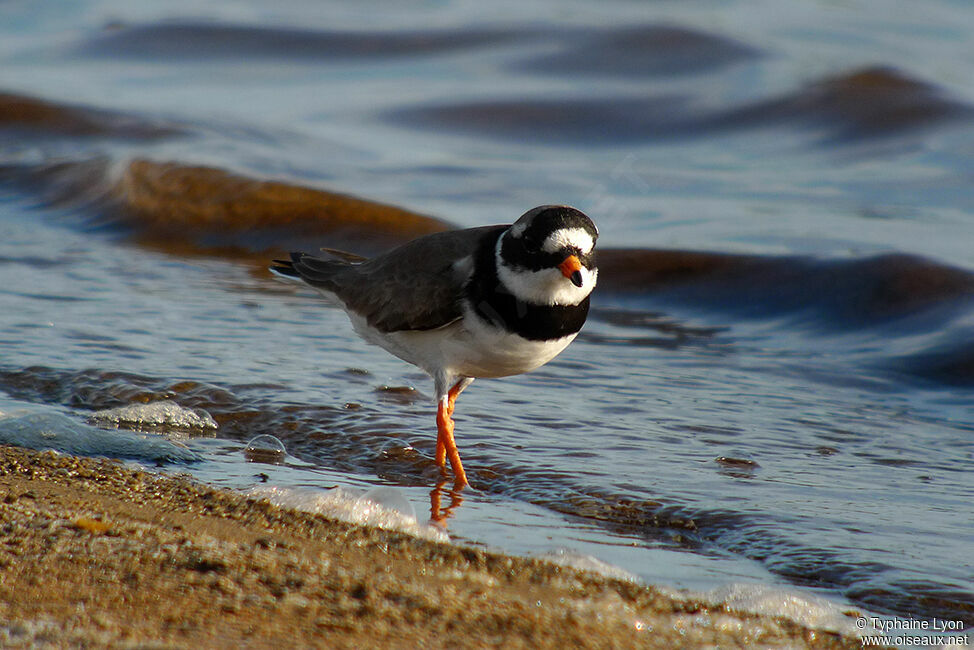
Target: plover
492, 301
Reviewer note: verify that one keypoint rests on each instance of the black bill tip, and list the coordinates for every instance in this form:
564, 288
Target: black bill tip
576, 278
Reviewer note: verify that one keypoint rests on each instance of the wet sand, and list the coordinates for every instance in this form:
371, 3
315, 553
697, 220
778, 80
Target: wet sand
93, 553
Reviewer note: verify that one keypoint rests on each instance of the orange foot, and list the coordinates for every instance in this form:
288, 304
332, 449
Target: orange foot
445, 444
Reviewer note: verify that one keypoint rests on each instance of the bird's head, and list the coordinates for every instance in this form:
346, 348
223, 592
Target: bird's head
548, 256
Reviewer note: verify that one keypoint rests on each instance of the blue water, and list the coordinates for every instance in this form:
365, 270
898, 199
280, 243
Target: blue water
788, 402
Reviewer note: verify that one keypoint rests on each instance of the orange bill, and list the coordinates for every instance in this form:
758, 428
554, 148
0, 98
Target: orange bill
571, 268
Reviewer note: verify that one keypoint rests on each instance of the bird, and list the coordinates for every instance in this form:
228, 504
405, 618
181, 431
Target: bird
484, 302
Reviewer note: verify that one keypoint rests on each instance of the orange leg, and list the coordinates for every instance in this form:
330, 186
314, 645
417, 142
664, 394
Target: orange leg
446, 446
440, 439
452, 396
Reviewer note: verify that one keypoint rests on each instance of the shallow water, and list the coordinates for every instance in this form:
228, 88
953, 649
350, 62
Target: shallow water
774, 384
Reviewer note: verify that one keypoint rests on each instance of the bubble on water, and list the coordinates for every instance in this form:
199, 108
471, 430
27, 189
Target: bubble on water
265, 448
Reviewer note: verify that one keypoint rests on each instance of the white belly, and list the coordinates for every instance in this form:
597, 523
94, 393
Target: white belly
467, 347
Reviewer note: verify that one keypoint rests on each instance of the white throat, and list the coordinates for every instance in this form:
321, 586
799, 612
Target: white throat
544, 287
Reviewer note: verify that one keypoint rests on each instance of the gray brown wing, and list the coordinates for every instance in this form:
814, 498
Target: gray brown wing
417, 286
344, 256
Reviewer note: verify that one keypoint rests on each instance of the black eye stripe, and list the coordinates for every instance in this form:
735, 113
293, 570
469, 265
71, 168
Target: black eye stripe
516, 254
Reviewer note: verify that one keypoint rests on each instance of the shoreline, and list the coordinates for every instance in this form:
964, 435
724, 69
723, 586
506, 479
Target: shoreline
94, 553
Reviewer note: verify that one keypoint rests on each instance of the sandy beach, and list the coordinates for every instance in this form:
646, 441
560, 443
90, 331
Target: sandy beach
95, 554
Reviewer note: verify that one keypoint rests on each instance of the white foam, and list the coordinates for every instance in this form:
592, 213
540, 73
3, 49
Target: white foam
383, 507
582, 562
164, 416
51, 430
806, 609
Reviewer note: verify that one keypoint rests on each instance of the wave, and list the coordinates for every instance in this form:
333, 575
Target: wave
614, 50
858, 105
832, 294
188, 40
220, 209
193, 210
189, 209
918, 307
35, 116
215, 211
642, 50
949, 363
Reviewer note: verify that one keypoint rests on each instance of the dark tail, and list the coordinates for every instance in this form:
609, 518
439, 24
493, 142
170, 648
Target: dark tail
312, 270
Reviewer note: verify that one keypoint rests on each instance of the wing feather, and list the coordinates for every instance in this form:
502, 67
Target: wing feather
417, 286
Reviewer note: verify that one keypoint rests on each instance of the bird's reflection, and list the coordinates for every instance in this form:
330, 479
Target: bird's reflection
438, 514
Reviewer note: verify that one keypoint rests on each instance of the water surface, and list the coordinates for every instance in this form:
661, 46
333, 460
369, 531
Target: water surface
774, 384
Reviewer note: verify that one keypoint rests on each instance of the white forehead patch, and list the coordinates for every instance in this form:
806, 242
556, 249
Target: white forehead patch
569, 238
